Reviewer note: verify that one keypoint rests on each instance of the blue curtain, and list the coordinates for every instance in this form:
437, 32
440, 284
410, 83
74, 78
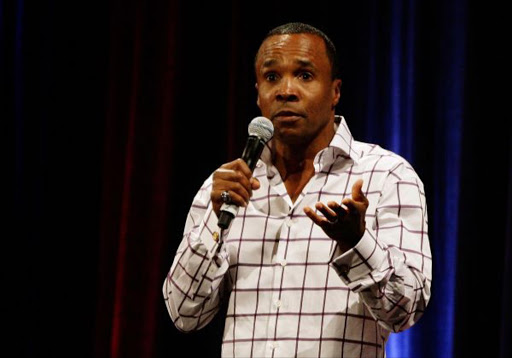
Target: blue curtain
400, 113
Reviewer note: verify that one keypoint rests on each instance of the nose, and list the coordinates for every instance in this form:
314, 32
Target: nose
287, 91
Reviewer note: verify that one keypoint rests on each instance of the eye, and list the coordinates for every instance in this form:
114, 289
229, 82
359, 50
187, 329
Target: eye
271, 76
306, 76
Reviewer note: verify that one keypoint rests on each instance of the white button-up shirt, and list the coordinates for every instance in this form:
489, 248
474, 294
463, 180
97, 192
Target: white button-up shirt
291, 291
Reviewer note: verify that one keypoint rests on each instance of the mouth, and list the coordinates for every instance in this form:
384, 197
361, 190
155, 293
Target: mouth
287, 116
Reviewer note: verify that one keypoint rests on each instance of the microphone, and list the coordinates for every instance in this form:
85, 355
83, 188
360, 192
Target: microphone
260, 131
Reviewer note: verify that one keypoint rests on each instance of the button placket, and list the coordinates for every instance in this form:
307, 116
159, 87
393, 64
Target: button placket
279, 263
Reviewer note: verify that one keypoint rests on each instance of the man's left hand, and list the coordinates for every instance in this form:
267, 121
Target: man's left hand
343, 222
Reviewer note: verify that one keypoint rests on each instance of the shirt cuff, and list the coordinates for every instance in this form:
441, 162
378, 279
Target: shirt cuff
210, 234
356, 265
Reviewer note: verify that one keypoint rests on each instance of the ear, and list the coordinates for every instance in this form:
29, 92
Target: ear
336, 92
257, 95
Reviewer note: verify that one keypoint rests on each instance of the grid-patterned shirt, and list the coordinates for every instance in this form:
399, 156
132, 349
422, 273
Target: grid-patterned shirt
291, 291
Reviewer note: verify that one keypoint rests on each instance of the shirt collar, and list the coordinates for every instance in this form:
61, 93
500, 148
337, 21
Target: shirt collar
341, 144
343, 139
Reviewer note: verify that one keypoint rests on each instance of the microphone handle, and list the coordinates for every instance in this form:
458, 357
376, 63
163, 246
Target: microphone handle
227, 213
252, 151
251, 154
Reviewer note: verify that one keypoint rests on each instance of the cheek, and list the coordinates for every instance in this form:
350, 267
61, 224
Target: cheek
264, 99
330, 98
321, 99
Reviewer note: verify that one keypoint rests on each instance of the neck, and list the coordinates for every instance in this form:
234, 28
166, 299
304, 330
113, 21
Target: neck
295, 163
296, 170
290, 161
293, 158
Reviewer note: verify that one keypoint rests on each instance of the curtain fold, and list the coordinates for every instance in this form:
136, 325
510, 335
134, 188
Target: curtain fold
137, 166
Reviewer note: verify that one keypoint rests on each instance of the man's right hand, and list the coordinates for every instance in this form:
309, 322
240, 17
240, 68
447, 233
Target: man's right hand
236, 178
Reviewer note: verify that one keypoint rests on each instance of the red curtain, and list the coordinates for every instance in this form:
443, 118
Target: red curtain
162, 109
137, 159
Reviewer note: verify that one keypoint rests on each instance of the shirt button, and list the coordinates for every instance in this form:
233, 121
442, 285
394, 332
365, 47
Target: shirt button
277, 303
283, 263
290, 222
274, 345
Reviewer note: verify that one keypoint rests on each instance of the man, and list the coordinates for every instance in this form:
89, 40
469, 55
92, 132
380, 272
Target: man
329, 250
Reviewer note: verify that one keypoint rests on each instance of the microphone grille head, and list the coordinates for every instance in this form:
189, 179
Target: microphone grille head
261, 127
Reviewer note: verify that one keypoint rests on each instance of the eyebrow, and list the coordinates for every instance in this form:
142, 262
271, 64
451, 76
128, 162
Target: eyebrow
305, 63
269, 63
302, 63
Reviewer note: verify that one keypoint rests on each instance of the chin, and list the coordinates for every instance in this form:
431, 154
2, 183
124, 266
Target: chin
290, 137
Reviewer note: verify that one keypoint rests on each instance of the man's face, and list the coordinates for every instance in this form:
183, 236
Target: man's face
295, 87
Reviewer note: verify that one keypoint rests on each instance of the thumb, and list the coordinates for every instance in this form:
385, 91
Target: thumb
255, 183
357, 191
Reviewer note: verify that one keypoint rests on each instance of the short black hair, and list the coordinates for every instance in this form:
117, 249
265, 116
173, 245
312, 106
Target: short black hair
302, 28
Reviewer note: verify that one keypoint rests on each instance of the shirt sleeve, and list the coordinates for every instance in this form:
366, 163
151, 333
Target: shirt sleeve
194, 286
390, 267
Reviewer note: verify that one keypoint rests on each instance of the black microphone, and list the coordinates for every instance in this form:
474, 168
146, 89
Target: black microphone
260, 131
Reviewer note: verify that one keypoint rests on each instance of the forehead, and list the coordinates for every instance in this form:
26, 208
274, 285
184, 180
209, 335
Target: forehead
302, 47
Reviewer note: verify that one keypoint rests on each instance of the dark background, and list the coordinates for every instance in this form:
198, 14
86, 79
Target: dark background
116, 112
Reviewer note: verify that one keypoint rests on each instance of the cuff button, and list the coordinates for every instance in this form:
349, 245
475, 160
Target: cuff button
344, 269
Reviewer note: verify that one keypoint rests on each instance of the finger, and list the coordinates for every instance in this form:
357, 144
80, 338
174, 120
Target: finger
230, 174
240, 165
255, 183
340, 210
357, 191
236, 198
237, 166
231, 179
328, 213
354, 207
313, 216
235, 187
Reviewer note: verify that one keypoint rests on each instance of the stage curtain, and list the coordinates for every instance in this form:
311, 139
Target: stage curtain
117, 111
